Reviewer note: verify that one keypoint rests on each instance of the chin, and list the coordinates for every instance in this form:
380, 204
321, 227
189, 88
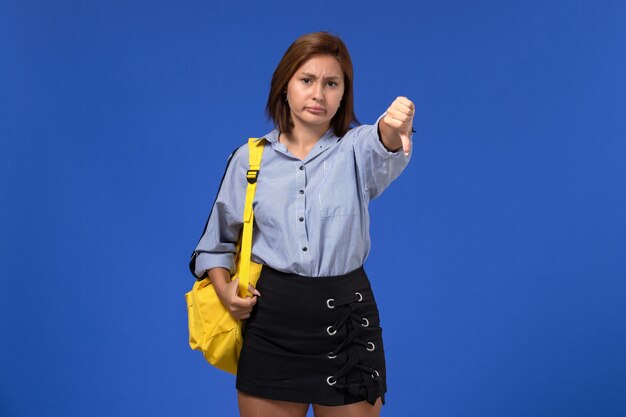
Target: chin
315, 120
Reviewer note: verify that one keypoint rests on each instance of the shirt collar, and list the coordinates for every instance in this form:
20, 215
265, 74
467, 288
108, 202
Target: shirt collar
327, 139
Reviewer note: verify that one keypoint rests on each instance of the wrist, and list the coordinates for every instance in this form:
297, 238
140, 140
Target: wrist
386, 132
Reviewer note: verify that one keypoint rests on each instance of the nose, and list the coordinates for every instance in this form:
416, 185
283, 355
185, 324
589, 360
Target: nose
318, 91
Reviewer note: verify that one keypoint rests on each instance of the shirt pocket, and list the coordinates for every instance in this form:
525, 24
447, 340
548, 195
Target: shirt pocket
338, 193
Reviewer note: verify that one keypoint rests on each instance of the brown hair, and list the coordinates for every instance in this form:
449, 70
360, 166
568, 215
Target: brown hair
301, 50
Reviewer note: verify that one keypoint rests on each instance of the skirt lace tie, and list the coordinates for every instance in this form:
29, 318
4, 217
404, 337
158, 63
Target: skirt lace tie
370, 381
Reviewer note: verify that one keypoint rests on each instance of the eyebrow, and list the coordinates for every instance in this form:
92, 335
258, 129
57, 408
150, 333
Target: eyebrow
333, 77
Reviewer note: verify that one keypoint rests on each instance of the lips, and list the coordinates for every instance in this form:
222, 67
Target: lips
316, 110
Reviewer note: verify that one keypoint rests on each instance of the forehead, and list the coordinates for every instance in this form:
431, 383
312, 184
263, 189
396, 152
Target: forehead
323, 65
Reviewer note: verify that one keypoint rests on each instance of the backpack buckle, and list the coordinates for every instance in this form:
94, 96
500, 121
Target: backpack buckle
252, 175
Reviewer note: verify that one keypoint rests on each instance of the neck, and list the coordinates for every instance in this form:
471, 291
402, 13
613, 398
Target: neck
303, 137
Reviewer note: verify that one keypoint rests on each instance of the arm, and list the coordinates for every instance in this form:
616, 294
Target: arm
215, 253
377, 148
218, 243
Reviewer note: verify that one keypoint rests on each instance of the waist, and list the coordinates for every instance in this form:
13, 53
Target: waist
355, 279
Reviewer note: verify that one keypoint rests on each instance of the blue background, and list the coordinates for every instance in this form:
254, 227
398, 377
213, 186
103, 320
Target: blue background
498, 256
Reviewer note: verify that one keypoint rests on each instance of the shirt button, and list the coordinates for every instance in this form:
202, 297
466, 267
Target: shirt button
301, 167
301, 219
304, 249
301, 191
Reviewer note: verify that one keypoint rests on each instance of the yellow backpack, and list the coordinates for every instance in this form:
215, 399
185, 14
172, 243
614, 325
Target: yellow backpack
212, 330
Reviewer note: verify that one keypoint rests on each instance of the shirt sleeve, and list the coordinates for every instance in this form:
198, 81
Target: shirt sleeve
218, 243
377, 167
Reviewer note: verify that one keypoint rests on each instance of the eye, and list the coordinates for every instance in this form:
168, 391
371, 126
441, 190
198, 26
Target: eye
332, 84
306, 80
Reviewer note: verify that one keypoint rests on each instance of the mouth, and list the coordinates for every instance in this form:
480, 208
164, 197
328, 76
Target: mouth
315, 110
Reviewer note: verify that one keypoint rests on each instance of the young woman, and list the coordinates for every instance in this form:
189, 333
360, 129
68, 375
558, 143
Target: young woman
312, 334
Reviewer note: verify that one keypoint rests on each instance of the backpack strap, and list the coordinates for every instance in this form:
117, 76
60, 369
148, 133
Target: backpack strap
255, 147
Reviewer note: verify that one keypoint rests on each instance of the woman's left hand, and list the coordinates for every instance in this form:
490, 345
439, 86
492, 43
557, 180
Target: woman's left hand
398, 123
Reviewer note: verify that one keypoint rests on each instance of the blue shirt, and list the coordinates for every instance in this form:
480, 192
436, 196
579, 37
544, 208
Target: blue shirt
310, 216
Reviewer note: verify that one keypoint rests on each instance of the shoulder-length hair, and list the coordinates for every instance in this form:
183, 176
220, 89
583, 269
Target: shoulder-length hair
301, 50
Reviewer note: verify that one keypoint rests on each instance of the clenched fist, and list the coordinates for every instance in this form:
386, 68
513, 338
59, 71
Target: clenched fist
238, 307
397, 124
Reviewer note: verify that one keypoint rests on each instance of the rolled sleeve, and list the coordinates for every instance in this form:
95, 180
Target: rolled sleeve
206, 261
377, 166
218, 244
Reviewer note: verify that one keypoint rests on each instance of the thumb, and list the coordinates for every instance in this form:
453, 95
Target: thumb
406, 143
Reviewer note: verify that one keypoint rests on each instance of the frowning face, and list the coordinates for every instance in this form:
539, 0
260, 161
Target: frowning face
314, 92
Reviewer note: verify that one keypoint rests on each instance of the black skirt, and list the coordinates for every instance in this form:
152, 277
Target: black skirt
313, 340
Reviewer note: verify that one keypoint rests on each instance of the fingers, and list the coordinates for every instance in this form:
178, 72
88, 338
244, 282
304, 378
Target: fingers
253, 290
398, 119
240, 307
400, 113
403, 101
234, 286
403, 105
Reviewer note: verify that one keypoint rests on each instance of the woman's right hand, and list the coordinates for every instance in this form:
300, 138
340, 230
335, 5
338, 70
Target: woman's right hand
239, 307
